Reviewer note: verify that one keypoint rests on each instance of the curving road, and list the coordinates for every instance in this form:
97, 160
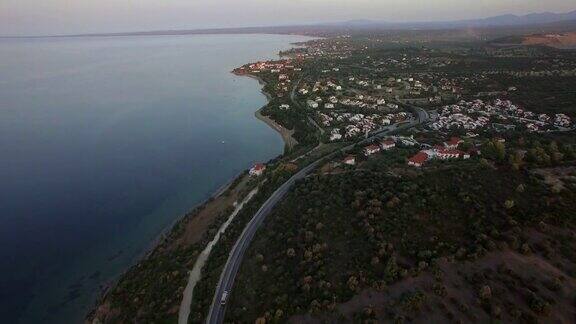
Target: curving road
217, 310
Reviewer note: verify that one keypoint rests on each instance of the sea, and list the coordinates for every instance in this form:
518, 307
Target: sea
107, 141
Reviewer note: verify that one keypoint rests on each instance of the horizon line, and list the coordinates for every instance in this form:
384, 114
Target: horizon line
213, 30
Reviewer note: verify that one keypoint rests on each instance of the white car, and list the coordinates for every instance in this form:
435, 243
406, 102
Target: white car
224, 297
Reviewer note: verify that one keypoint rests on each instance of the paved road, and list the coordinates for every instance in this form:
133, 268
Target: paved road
217, 311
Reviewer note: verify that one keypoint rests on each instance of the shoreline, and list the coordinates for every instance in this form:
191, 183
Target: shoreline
165, 235
106, 288
286, 134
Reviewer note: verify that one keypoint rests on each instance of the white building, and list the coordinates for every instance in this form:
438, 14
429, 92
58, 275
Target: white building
335, 137
371, 149
350, 160
387, 144
312, 104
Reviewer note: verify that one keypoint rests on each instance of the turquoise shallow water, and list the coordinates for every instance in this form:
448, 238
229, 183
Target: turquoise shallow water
104, 142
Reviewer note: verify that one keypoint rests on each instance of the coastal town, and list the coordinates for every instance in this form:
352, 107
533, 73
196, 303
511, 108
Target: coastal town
418, 156
410, 116
347, 98
288, 161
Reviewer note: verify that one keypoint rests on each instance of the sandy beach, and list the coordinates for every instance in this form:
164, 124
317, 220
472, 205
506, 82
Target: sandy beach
286, 134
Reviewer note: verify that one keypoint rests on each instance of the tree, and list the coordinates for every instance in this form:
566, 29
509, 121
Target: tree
259, 258
279, 314
516, 160
539, 156
485, 292
391, 270
352, 283
494, 150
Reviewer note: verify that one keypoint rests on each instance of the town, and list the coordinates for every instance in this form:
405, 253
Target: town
424, 156
344, 92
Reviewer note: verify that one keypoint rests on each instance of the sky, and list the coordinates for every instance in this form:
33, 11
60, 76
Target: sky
52, 17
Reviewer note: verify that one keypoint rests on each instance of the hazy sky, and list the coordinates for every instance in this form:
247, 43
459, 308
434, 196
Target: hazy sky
33, 17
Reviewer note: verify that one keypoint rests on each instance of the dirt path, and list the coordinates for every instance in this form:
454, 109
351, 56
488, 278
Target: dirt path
195, 274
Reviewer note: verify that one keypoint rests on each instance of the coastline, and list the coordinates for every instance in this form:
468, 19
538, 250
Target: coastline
167, 236
176, 236
164, 237
207, 212
286, 134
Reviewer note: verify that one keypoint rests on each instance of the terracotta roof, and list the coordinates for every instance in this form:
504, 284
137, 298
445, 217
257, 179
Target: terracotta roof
419, 158
258, 166
454, 141
372, 147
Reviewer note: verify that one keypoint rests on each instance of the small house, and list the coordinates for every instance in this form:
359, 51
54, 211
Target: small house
387, 144
371, 149
350, 160
418, 159
257, 170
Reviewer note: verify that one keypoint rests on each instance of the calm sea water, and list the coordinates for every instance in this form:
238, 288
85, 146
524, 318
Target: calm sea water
104, 142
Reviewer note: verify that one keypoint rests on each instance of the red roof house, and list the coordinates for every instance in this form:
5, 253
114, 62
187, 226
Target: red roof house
418, 159
257, 169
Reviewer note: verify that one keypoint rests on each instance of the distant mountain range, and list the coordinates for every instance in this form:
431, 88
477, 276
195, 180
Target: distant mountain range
495, 21
512, 24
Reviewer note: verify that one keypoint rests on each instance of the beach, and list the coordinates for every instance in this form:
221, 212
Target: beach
287, 134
